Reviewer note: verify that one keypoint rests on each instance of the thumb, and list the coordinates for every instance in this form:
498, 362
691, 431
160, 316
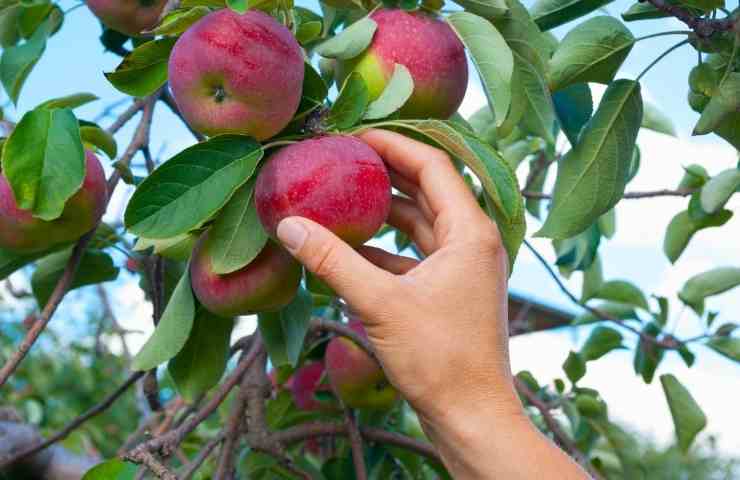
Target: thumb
332, 260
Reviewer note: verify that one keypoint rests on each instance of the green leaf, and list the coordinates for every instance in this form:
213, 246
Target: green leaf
176, 248
574, 367
662, 317
618, 310
485, 8
492, 57
655, 120
9, 18
396, 93
593, 279
579, 252
624, 446
682, 228
17, 62
724, 102
608, 224
351, 42
591, 52
200, 364
694, 177
539, 111
574, 107
718, 190
11, 262
623, 292
351, 103
285, 331
172, 333
115, 469
643, 11
237, 235
95, 267
44, 162
601, 341
191, 187
592, 177
315, 90
179, 20
688, 417
707, 284
239, 6
144, 70
494, 173
648, 355
94, 135
727, 346
552, 13
69, 101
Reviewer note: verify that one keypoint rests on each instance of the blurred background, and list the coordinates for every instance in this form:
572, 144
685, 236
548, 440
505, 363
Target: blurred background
59, 383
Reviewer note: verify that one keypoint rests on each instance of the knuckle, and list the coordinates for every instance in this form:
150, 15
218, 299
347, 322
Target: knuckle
325, 263
489, 238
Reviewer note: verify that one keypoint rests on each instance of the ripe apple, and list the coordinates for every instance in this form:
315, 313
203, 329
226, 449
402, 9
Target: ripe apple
336, 180
305, 383
428, 48
128, 16
21, 232
355, 377
269, 282
237, 73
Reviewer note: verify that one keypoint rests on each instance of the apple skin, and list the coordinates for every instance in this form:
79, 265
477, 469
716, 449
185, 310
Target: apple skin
428, 48
355, 377
305, 383
21, 233
128, 16
337, 181
237, 73
267, 283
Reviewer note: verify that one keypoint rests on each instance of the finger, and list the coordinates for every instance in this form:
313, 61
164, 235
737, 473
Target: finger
412, 191
396, 264
408, 218
332, 260
428, 167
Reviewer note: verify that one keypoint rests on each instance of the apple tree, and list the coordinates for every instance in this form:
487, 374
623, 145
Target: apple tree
273, 93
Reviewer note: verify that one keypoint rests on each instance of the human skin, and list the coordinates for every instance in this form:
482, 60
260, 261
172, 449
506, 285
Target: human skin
355, 377
20, 232
267, 283
336, 180
128, 16
442, 344
237, 73
428, 48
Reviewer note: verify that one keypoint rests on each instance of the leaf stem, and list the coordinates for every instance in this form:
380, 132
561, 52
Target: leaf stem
663, 34
661, 57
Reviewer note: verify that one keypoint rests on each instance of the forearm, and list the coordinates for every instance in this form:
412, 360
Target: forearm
496, 440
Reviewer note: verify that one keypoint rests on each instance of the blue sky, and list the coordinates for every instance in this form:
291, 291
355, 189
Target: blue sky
75, 62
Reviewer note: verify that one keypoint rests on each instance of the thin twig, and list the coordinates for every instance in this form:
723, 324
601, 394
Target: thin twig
344, 330
703, 27
192, 467
562, 438
355, 442
232, 431
77, 422
149, 461
681, 192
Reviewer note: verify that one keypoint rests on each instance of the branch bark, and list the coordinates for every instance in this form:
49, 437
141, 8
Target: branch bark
703, 27
355, 442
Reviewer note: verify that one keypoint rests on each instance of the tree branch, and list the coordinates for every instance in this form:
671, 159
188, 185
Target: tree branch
703, 27
77, 422
343, 330
355, 442
192, 467
147, 459
562, 438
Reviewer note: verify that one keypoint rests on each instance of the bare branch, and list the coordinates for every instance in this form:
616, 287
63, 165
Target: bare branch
190, 469
344, 331
77, 422
562, 438
355, 442
233, 429
147, 459
703, 27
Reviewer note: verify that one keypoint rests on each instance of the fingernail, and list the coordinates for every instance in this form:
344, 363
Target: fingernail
292, 234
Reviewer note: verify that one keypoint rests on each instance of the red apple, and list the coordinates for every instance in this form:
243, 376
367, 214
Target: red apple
234, 73
128, 16
337, 181
269, 282
305, 383
21, 232
355, 377
428, 48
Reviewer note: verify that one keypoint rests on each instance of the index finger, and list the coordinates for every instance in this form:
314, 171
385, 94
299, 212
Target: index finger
428, 167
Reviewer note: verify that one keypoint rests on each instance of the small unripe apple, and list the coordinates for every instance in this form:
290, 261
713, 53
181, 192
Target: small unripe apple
337, 181
131, 17
355, 377
267, 283
21, 232
306, 383
428, 48
237, 73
